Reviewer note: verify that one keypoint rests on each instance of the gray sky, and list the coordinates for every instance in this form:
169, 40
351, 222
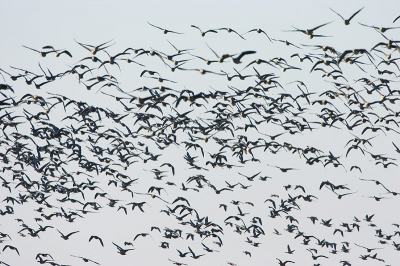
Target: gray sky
125, 25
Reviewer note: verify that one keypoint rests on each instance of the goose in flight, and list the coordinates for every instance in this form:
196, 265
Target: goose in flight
85, 259
347, 21
283, 263
98, 238
66, 237
310, 32
287, 43
94, 48
178, 51
367, 249
229, 30
205, 32
259, 31
56, 51
12, 248
121, 250
220, 58
194, 256
42, 54
165, 31
237, 59
381, 29
283, 170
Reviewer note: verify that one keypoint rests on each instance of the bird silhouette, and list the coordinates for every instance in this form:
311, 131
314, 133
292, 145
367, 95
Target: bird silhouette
165, 31
66, 237
98, 238
121, 250
85, 259
205, 32
347, 21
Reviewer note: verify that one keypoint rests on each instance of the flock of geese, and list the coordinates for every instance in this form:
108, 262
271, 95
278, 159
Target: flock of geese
154, 149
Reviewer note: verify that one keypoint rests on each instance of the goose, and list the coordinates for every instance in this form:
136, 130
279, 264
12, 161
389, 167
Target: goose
85, 259
259, 31
141, 234
220, 58
283, 170
66, 237
94, 59
178, 66
290, 251
178, 51
12, 248
301, 59
208, 62
112, 59
229, 30
177, 263
56, 51
26, 72
367, 249
42, 54
283, 263
98, 238
237, 59
390, 44
94, 48
347, 21
381, 29
310, 32
287, 43
340, 196
205, 32
258, 62
38, 86
13, 78
165, 31
194, 256
203, 71
121, 250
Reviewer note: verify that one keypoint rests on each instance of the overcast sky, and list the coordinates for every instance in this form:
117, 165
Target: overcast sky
125, 25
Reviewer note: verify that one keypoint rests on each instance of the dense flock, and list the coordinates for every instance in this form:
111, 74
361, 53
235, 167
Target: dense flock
261, 159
